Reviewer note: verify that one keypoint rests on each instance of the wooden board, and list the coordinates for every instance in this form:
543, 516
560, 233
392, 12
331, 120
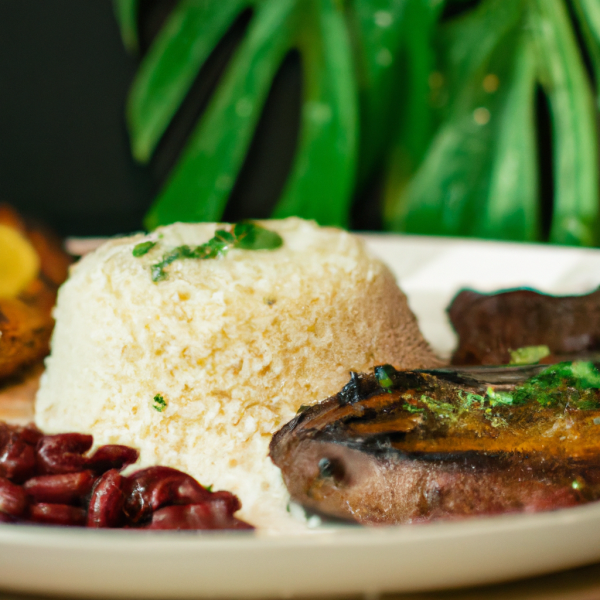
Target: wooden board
17, 396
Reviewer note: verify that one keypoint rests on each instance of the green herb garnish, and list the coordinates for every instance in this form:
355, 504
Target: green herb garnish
158, 270
209, 488
383, 373
564, 383
437, 407
528, 355
245, 236
249, 236
499, 398
142, 248
159, 403
470, 398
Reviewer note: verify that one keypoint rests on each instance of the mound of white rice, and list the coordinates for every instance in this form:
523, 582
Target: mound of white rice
233, 345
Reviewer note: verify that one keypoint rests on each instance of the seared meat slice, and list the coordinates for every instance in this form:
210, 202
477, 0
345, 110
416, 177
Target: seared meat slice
489, 326
406, 446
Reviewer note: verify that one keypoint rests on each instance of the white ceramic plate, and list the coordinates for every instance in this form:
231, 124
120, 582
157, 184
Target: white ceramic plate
346, 560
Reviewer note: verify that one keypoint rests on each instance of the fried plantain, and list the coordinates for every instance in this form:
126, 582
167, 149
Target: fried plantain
26, 320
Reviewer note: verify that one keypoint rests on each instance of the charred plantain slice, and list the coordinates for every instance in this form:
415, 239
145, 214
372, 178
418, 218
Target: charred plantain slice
405, 446
25, 318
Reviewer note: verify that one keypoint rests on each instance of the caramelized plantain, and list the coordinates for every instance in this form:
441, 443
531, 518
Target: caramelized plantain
404, 446
25, 320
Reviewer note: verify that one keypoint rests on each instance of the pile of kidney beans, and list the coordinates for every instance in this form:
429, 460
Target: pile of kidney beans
50, 479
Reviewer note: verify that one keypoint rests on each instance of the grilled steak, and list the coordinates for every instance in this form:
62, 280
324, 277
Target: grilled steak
407, 446
489, 326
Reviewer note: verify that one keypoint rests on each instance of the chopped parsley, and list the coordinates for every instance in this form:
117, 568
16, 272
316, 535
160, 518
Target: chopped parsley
250, 236
142, 248
159, 403
245, 236
437, 407
499, 398
574, 383
470, 398
528, 355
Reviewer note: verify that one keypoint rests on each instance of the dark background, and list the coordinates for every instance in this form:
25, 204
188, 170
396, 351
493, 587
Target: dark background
64, 150
64, 154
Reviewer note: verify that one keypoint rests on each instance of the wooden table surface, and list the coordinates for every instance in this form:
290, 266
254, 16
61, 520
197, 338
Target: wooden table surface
576, 584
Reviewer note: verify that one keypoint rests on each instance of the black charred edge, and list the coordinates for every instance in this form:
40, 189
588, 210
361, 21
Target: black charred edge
352, 392
361, 386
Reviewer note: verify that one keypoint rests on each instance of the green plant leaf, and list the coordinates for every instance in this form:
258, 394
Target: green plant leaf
418, 30
126, 12
563, 76
385, 83
588, 12
168, 70
511, 211
479, 176
377, 38
419, 92
199, 186
322, 178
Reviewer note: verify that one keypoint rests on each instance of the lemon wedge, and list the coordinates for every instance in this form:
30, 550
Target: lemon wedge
19, 262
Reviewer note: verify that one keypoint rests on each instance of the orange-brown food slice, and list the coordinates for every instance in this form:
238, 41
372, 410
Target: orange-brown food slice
25, 320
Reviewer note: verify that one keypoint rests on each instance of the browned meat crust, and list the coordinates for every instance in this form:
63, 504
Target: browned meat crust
442, 445
489, 326
26, 322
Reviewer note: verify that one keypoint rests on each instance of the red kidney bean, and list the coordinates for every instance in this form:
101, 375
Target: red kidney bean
59, 479
17, 458
223, 516
156, 487
193, 516
57, 514
66, 488
13, 499
230, 501
30, 434
112, 457
17, 462
63, 453
5, 431
106, 502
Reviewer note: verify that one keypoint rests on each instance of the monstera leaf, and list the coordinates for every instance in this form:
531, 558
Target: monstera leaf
442, 98
341, 96
481, 172
322, 176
